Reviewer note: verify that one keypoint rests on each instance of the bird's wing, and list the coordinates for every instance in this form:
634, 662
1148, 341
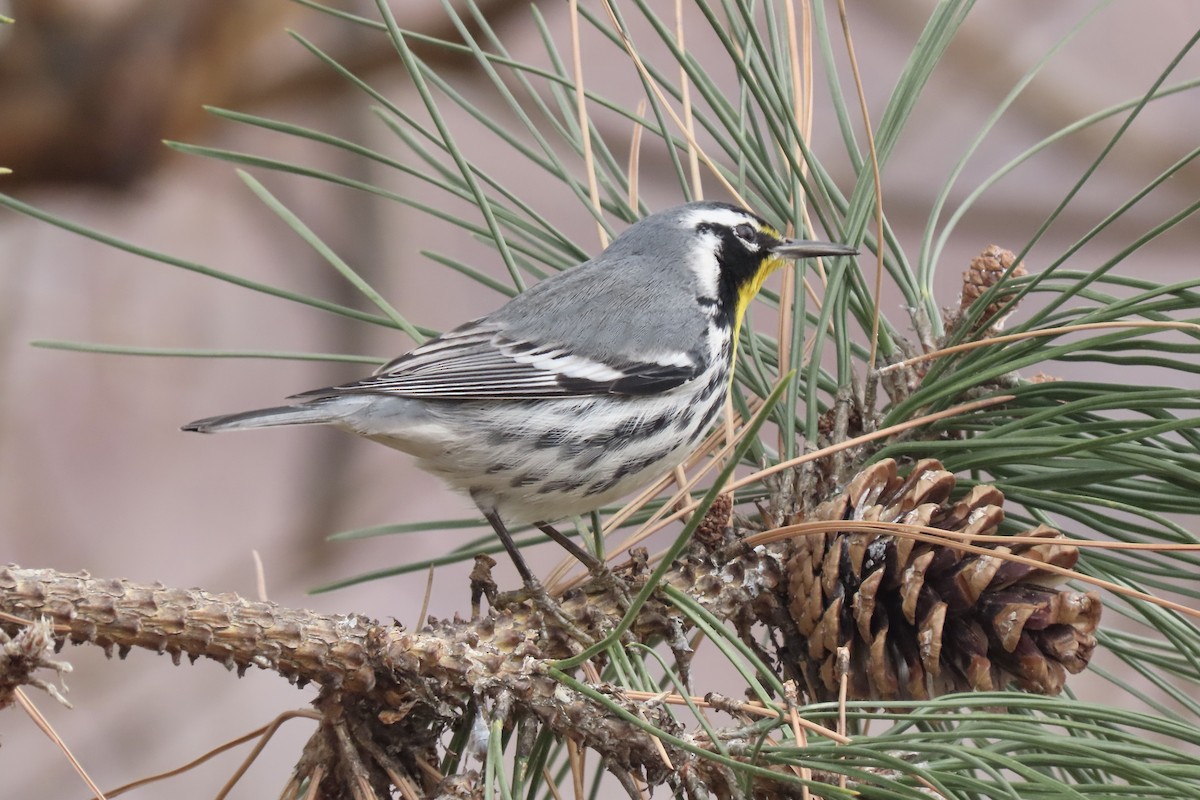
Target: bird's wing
479, 361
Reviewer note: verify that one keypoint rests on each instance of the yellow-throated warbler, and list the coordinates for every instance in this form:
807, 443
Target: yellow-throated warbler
589, 385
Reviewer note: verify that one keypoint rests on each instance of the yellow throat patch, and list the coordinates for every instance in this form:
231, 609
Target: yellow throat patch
749, 290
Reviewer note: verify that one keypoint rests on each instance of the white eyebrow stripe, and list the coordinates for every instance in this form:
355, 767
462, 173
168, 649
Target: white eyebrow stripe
720, 216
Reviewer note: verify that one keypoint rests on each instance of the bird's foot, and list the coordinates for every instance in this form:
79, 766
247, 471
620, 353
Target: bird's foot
535, 593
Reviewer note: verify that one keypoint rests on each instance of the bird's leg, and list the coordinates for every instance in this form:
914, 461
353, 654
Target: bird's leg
593, 564
597, 568
533, 587
527, 577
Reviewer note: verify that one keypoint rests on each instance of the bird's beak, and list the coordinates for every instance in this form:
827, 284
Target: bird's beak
803, 248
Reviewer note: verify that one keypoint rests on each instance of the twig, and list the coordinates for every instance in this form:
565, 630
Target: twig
658, 92
752, 707
1016, 337
421, 617
44, 725
585, 128
875, 176
263, 734
635, 154
689, 124
260, 576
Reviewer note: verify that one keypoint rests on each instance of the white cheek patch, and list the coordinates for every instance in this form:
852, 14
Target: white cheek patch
703, 264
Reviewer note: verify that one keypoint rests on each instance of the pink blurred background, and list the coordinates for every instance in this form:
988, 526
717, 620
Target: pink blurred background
94, 473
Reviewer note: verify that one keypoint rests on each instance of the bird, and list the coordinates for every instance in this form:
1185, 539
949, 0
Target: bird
587, 386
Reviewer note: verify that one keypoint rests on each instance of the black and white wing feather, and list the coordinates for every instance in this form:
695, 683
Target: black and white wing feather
480, 361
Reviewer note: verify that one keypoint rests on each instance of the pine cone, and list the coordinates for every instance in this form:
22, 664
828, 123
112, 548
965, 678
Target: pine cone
922, 619
984, 272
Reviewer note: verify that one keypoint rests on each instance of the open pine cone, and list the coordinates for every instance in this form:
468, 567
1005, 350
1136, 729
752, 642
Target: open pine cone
985, 271
921, 619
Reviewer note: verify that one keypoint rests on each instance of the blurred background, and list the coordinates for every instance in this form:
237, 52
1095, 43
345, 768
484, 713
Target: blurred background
94, 472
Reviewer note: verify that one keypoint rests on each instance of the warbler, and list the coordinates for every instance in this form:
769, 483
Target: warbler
589, 385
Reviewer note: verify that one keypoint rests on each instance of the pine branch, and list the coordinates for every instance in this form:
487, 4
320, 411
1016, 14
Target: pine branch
394, 690
388, 695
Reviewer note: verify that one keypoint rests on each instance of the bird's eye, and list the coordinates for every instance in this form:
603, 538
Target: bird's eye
745, 232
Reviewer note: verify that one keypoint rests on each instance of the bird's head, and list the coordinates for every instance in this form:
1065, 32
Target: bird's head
733, 251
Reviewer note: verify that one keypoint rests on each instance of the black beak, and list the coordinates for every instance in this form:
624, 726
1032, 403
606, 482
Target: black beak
803, 248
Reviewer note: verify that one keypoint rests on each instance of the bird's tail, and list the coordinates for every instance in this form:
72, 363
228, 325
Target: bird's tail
299, 414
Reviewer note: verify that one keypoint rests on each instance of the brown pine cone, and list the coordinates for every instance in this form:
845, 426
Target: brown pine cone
984, 272
921, 619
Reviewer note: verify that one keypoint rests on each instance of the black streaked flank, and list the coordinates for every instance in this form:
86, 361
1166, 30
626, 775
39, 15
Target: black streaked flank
600, 487
629, 468
501, 436
527, 479
587, 459
706, 419
628, 432
657, 425
632, 467
552, 438
563, 485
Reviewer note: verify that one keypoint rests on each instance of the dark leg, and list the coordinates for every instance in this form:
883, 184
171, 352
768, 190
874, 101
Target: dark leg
593, 564
597, 568
527, 576
533, 587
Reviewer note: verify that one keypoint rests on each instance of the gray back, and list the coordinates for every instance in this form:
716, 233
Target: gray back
637, 298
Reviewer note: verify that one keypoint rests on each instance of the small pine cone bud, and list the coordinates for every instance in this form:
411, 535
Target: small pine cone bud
921, 619
713, 529
985, 271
